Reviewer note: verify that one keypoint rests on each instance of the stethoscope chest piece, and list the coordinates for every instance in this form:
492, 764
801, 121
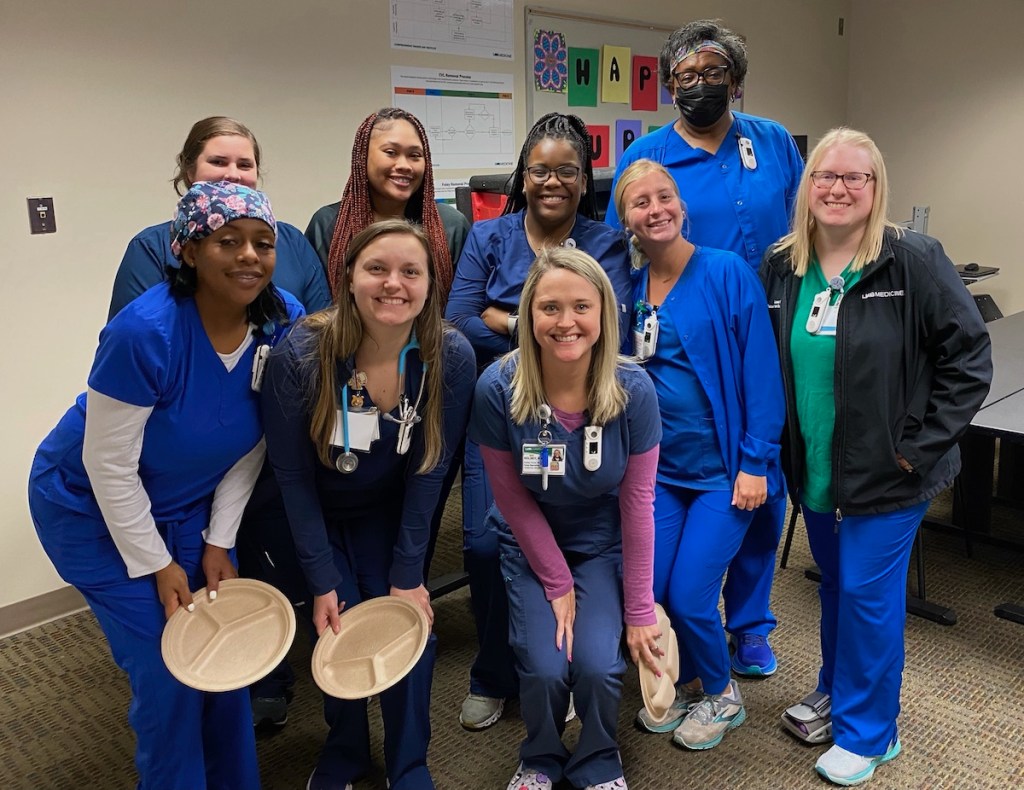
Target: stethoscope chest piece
347, 462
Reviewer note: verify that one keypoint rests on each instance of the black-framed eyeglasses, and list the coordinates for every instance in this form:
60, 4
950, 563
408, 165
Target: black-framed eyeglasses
712, 75
567, 174
826, 178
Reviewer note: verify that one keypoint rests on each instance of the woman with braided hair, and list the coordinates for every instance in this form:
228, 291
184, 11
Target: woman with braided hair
391, 177
551, 204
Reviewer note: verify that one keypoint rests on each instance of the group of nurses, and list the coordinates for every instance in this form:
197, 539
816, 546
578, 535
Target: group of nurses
364, 407
738, 177
137, 494
551, 203
703, 334
576, 536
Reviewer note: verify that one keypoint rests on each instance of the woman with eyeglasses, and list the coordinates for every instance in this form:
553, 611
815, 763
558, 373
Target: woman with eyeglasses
737, 175
550, 204
885, 361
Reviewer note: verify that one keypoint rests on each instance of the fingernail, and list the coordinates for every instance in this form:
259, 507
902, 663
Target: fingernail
191, 607
213, 595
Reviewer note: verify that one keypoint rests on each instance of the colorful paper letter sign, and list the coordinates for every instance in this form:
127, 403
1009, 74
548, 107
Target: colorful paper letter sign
583, 77
666, 97
615, 74
645, 83
550, 70
626, 131
599, 147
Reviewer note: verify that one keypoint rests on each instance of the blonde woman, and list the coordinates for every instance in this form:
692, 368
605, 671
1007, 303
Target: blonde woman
885, 360
576, 541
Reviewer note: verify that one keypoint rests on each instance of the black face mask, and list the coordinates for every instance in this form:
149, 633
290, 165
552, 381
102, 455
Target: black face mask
702, 105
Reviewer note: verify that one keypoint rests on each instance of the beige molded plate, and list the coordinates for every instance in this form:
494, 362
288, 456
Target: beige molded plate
379, 643
231, 642
660, 693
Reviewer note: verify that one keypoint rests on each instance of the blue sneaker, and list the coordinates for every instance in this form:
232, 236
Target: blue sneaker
753, 657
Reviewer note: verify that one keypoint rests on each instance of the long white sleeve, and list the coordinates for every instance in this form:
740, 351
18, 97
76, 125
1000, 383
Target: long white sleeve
231, 496
110, 454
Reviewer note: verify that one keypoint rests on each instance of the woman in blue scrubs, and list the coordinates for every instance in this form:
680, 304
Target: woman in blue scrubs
702, 332
551, 204
576, 537
219, 149
137, 494
738, 176
364, 406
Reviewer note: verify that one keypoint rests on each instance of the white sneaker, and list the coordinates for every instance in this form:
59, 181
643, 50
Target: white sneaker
528, 779
708, 722
479, 712
614, 784
846, 768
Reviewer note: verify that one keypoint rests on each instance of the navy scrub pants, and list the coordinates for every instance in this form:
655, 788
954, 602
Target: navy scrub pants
186, 739
363, 547
863, 562
546, 677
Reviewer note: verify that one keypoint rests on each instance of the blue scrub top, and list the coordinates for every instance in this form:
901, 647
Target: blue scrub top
155, 353
297, 271
493, 268
581, 507
315, 494
716, 313
728, 206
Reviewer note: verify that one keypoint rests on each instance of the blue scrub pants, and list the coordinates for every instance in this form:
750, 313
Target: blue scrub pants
493, 671
696, 536
363, 547
186, 739
863, 562
748, 585
546, 677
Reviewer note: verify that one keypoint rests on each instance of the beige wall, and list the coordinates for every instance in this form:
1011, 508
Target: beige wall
96, 98
939, 84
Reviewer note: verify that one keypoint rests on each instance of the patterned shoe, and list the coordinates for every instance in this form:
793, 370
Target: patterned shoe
479, 712
754, 657
528, 779
845, 768
706, 725
614, 784
686, 700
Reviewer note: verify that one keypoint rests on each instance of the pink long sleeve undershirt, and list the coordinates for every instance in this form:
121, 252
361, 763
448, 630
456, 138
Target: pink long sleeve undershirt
532, 532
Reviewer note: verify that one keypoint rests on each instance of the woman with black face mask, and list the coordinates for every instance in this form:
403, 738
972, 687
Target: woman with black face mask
738, 177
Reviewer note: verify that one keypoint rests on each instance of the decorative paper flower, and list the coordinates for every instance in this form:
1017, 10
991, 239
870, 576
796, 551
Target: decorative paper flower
550, 61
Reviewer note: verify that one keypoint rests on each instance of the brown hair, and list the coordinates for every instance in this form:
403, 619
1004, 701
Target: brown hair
356, 211
201, 131
338, 331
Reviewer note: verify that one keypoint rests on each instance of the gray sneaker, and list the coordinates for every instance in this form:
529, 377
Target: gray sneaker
686, 699
708, 722
479, 712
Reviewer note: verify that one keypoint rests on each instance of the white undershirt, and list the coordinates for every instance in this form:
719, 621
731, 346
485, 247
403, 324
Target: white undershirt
110, 453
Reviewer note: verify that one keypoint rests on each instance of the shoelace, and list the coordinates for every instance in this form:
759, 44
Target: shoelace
754, 640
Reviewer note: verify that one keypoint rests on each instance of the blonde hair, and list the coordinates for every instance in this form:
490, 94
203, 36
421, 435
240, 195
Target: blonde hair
338, 331
606, 397
639, 169
800, 242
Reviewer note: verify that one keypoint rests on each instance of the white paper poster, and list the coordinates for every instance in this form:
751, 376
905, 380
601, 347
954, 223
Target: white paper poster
478, 28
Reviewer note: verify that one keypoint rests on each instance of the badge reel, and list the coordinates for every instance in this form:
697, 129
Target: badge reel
592, 447
747, 153
645, 340
259, 366
824, 315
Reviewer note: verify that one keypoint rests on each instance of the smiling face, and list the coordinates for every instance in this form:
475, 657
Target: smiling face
226, 157
653, 211
837, 207
566, 316
553, 203
234, 263
390, 280
395, 164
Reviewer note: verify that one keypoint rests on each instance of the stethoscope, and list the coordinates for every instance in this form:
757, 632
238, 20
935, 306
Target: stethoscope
408, 413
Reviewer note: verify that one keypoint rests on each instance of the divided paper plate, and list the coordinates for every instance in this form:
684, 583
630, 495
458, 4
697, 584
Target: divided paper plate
379, 643
660, 693
231, 642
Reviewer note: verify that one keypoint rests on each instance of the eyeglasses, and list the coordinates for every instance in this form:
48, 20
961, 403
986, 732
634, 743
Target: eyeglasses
713, 75
567, 174
826, 178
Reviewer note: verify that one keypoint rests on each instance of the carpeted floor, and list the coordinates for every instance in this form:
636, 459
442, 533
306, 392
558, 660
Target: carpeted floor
63, 719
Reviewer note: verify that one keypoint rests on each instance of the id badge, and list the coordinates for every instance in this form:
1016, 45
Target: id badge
531, 459
363, 429
830, 319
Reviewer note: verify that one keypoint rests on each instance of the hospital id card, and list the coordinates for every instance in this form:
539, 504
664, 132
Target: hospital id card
556, 459
830, 319
363, 429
